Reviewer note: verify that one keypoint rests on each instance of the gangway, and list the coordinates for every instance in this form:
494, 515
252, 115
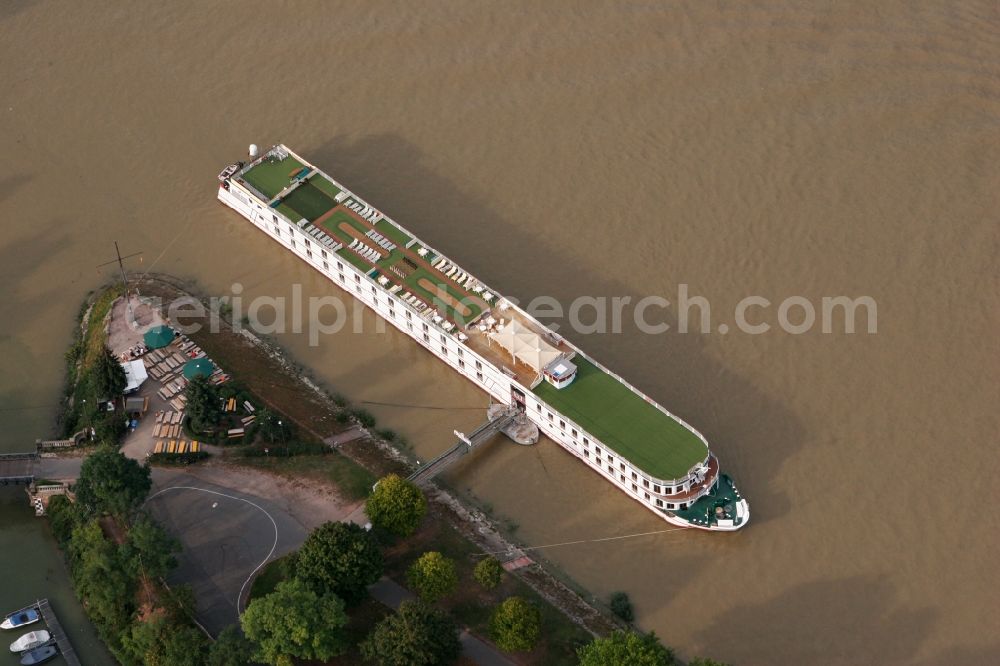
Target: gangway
482, 434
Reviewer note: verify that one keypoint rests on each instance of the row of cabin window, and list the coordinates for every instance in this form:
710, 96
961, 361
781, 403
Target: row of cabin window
659, 503
479, 375
666, 490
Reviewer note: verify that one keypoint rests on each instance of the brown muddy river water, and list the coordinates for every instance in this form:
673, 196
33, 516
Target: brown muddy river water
579, 149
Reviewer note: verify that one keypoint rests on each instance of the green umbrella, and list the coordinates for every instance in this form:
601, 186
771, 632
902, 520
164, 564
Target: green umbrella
198, 367
158, 336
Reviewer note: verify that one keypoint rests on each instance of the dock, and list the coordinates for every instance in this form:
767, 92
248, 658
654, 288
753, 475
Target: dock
58, 635
55, 630
483, 433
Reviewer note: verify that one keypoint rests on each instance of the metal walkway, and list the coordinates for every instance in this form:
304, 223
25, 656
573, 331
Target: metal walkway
482, 434
58, 635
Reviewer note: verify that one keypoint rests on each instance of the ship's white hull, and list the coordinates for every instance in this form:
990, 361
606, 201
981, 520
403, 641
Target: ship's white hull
466, 362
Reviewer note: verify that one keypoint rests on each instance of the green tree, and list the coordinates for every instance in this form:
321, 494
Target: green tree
63, 515
161, 642
488, 573
342, 558
111, 483
396, 505
202, 405
432, 576
185, 646
415, 635
150, 549
273, 427
621, 606
626, 648
108, 376
295, 622
100, 578
515, 624
231, 648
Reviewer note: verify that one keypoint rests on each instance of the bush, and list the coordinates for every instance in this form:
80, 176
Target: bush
515, 625
488, 573
159, 641
177, 458
622, 606
286, 450
64, 516
415, 634
396, 505
363, 416
433, 576
230, 649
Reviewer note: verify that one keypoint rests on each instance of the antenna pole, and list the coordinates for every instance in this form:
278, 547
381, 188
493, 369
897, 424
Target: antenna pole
121, 267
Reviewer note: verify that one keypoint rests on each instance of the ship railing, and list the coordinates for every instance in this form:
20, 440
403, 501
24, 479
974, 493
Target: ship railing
252, 191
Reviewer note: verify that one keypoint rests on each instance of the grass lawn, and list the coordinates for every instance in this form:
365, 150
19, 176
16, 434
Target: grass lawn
273, 573
393, 257
472, 605
308, 201
638, 431
412, 280
392, 232
349, 478
272, 177
332, 225
324, 185
287, 211
353, 258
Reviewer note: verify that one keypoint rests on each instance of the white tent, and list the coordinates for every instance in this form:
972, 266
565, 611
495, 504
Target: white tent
526, 346
135, 375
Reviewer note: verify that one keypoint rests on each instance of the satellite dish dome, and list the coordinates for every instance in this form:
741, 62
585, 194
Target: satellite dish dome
254, 150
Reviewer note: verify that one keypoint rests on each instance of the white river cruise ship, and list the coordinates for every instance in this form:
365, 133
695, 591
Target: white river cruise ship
622, 434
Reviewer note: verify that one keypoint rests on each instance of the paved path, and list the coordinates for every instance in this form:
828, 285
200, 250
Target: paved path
390, 593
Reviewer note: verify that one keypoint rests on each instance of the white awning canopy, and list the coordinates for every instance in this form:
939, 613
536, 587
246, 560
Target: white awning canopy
526, 346
135, 374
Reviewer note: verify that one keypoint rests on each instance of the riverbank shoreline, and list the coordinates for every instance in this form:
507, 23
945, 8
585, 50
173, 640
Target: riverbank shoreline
315, 410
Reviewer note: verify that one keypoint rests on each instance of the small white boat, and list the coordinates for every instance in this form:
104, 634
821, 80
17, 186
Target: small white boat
20, 619
30, 641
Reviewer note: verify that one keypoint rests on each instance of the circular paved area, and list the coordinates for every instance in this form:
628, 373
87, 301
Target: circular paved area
226, 538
